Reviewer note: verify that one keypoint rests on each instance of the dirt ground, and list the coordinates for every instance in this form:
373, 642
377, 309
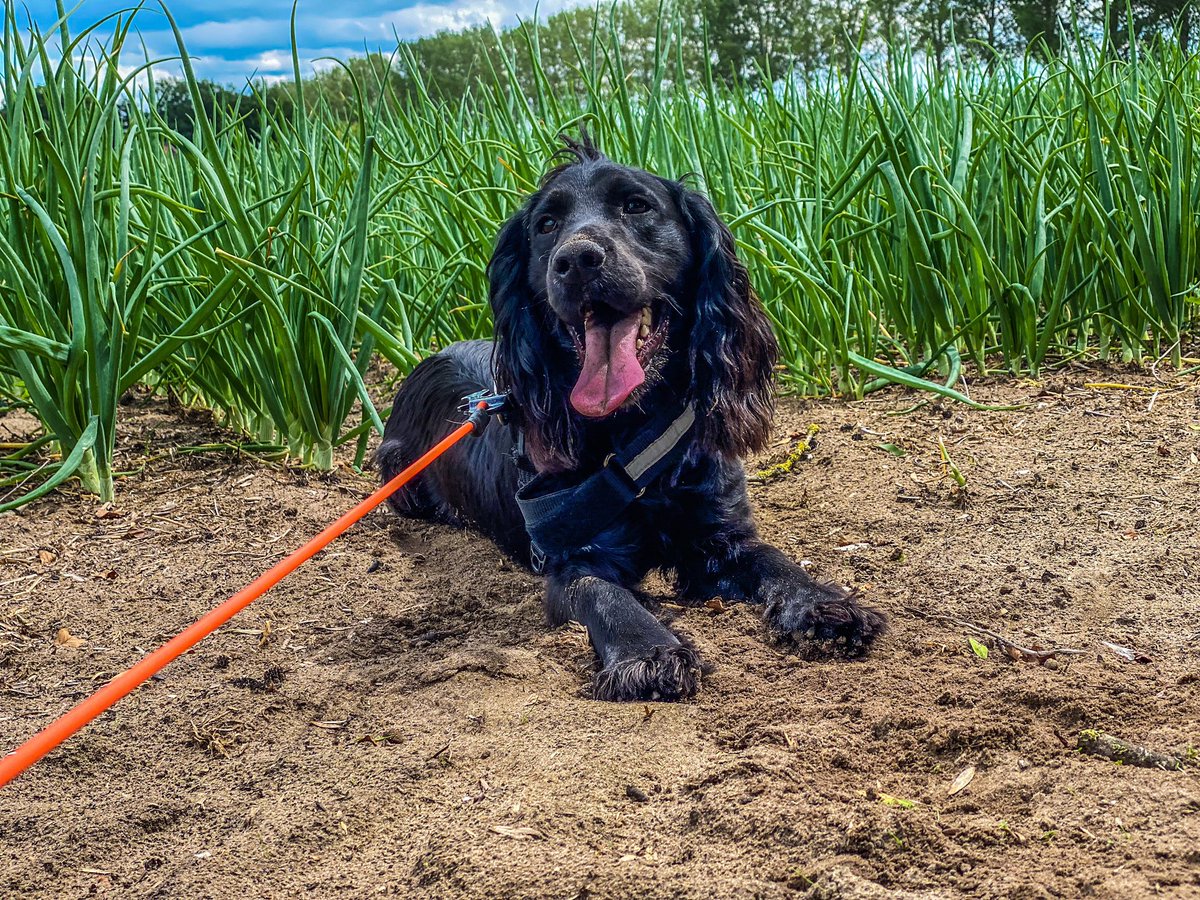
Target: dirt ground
395, 718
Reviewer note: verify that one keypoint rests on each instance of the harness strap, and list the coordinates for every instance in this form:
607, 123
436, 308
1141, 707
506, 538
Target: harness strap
562, 515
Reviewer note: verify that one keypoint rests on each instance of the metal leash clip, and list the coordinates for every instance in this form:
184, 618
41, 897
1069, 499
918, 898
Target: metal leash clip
480, 406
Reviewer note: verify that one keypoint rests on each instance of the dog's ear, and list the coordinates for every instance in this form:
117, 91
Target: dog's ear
513, 351
733, 348
525, 355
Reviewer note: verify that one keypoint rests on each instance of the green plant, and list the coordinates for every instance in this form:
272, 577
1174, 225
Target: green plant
897, 218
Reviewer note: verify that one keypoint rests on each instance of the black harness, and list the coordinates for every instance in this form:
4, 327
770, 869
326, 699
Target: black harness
565, 512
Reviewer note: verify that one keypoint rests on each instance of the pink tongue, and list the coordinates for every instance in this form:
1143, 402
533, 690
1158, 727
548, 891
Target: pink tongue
611, 370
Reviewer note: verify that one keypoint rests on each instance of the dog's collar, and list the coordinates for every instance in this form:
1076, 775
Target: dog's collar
564, 513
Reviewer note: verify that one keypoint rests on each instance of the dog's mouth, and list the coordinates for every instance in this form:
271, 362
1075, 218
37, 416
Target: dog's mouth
613, 352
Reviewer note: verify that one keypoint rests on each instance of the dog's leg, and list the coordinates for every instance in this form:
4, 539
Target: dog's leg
796, 607
640, 658
720, 554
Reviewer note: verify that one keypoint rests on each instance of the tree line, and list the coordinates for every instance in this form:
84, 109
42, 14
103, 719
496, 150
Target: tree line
747, 40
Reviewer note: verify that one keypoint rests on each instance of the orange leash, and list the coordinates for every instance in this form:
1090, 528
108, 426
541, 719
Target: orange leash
72, 721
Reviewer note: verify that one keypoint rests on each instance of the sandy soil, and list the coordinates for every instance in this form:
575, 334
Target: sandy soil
396, 719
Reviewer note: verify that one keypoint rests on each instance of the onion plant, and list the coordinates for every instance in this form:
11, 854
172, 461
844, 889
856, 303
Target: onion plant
81, 251
897, 217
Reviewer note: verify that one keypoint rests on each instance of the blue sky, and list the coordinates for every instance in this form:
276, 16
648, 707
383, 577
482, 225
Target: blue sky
235, 39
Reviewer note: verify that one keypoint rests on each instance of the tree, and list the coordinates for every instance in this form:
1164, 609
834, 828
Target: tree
173, 102
1038, 24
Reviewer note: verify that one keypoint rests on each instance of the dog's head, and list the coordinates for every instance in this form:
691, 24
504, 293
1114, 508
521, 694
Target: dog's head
611, 281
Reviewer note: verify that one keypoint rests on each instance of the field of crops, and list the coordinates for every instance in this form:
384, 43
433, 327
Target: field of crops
893, 214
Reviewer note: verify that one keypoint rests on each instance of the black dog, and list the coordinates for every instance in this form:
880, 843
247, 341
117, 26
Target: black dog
624, 319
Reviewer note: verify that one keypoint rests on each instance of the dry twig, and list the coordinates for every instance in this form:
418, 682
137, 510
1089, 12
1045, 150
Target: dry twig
1097, 743
1012, 649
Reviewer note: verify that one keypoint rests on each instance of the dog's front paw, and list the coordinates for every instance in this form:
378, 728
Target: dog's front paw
664, 673
799, 611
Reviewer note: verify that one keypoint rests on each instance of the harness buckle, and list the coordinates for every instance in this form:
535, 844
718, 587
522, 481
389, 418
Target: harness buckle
479, 415
628, 477
537, 558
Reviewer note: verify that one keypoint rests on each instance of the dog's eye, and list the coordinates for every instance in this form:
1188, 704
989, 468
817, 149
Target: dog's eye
547, 224
636, 205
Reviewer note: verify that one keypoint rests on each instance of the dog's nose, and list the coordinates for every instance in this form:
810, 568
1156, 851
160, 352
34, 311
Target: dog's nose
579, 261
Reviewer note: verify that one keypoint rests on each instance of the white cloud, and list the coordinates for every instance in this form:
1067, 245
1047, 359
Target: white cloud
422, 19
252, 32
257, 43
373, 30
278, 62
352, 34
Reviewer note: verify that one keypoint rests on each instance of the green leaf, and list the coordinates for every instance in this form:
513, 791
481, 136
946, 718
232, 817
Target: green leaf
879, 370
65, 469
16, 339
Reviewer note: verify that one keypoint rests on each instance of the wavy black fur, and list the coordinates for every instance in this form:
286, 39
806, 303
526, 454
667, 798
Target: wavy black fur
680, 260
